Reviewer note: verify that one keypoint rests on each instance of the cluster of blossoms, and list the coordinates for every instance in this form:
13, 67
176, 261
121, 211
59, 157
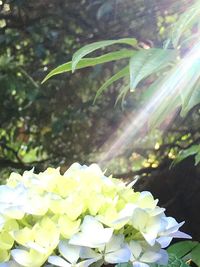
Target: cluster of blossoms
78, 219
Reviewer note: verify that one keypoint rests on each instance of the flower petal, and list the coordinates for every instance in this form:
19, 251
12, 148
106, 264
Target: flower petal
180, 234
139, 264
88, 253
10, 264
58, 261
150, 257
164, 241
28, 258
119, 256
115, 243
86, 263
164, 257
69, 252
135, 249
93, 234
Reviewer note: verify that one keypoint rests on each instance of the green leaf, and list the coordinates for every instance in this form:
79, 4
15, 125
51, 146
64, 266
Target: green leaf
120, 74
195, 255
191, 85
150, 92
197, 158
122, 95
186, 153
193, 100
182, 248
82, 52
174, 261
127, 264
147, 61
105, 9
163, 107
186, 20
89, 62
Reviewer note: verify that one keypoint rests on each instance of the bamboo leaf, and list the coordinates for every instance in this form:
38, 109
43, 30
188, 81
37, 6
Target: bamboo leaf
89, 62
192, 101
186, 20
194, 149
191, 88
82, 52
120, 74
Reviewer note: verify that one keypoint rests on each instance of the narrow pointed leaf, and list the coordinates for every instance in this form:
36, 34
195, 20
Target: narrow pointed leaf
192, 85
186, 20
82, 52
197, 158
194, 149
89, 62
120, 74
122, 95
194, 99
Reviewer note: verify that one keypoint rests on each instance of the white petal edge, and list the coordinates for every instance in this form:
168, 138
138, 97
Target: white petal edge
58, 261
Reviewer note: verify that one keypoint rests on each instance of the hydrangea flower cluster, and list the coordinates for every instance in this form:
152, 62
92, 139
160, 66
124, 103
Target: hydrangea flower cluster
80, 218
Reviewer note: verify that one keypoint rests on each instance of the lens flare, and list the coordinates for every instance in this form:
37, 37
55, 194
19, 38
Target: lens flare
172, 92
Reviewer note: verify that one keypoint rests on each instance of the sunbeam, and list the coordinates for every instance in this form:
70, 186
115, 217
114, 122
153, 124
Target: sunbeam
171, 93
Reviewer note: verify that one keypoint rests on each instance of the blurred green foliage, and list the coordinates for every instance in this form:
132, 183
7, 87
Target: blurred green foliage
56, 123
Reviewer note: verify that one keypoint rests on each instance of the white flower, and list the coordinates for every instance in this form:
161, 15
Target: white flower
152, 224
10, 264
12, 201
170, 231
149, 225
71, 256
92, 234
115, 251
141, 258
27, 258
38, 210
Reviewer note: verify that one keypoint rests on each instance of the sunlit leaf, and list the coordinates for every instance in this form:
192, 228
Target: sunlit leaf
186, 20
162, 110
147, 61
82, 52
197, 158
194, 149
193, 100
191, 89
89, 62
